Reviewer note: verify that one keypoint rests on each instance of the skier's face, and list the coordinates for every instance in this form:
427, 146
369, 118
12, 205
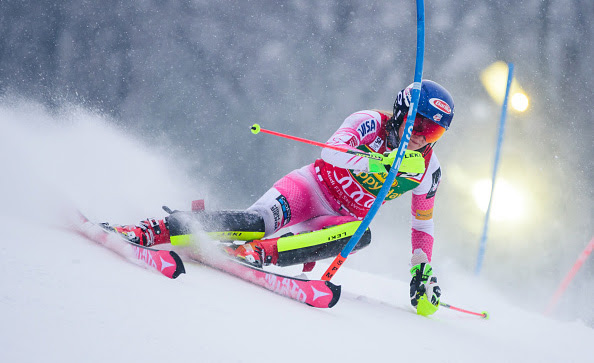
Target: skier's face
416, 142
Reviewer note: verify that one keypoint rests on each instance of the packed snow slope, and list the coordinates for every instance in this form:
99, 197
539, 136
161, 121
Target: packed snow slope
66, 299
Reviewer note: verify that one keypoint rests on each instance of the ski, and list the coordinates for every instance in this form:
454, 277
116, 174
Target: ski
316, 293
165, 262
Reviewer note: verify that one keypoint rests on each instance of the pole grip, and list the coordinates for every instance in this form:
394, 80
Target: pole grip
256, 129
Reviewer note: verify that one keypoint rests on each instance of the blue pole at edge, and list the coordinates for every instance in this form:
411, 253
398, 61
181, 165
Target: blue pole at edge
415, 96
483, 241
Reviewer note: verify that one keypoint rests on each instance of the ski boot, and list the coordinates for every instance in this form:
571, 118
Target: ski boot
255, 253
147, 233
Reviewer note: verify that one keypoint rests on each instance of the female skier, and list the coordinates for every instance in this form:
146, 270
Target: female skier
325, 201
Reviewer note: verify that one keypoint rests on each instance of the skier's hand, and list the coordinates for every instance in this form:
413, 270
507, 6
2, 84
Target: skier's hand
412, 162
424, 291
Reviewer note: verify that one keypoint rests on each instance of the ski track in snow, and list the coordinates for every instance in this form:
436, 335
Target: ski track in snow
65, 299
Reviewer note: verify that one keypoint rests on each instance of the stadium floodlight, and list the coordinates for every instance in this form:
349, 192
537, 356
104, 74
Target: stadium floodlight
509, 203
493, 79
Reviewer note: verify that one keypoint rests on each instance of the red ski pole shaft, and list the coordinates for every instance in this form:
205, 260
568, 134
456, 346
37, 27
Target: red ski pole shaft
483, 314
257, 129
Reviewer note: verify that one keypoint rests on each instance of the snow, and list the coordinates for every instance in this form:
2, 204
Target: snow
65, 299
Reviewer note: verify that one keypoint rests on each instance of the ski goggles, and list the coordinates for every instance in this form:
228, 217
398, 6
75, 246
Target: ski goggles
425, 127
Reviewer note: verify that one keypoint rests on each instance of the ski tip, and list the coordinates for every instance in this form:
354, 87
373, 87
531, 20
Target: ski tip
336, 289
255, 129
179, 269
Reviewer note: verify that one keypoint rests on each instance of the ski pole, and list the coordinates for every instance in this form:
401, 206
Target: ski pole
257, 129
484, 314
408, 127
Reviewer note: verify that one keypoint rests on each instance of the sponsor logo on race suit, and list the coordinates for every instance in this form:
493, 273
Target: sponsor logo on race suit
281, 212
276, 215
424, 214
357, 191
376, 144
366, 127
435, 178
285, 209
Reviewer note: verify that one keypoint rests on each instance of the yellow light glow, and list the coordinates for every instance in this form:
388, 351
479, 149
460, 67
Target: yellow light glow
509, 203
494, 79
519, 102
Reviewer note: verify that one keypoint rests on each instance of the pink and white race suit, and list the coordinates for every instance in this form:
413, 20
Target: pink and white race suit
339, 188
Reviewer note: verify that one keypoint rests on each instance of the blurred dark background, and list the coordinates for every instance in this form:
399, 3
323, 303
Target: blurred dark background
195, 75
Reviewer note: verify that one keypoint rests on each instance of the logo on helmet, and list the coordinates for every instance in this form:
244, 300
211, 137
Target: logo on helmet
437, 117
441, 105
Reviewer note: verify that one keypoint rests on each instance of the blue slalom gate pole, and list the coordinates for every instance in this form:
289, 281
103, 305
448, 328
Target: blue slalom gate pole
408, 127
483, 241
